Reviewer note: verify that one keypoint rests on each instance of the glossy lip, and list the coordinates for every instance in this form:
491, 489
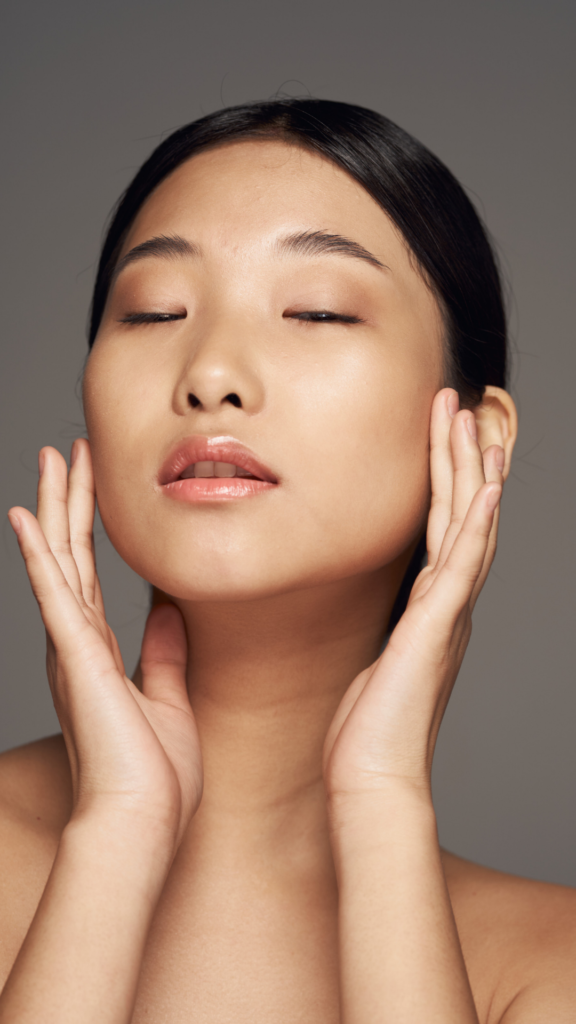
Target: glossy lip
217, 449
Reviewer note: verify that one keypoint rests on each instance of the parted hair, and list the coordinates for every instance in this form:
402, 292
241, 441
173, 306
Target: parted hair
439, 223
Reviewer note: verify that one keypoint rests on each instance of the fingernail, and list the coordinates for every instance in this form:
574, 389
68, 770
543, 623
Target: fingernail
15, 522
453, 404
471, 424
499, 459
73, 454
493, 497
41, 462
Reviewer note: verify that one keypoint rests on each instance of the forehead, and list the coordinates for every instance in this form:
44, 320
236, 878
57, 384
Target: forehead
244, 194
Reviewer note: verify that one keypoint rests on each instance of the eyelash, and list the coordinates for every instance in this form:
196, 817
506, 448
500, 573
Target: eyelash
315, 316
151, 318
323, 316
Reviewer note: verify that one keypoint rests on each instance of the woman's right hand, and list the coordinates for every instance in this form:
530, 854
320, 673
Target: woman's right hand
134, 754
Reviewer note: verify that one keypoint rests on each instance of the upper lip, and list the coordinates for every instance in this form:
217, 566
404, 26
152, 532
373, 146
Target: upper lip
216, 449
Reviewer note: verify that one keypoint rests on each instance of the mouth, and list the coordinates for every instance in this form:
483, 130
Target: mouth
208, 469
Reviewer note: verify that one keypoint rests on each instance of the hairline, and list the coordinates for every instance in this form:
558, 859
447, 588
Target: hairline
288, 138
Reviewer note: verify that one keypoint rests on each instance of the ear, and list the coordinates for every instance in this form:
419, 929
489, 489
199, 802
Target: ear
497, 423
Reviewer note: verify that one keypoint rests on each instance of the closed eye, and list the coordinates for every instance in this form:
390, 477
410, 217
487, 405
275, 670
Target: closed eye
323, 316
151, 318
309, 316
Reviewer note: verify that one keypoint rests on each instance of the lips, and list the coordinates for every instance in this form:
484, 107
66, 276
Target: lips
200, 467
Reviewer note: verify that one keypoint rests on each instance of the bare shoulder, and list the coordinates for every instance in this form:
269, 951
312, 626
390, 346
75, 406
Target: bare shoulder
519, 941
35, 780
35, 802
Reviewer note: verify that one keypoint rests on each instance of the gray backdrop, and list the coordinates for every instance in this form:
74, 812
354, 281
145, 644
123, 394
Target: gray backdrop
90, 87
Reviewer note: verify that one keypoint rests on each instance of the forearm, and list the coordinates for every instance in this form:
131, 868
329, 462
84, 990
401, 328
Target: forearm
81, 959
401, 960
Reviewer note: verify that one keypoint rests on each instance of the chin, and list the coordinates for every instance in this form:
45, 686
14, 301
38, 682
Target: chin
247, 558
261, 573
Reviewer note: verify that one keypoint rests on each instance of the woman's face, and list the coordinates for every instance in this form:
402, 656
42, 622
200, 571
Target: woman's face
317, 357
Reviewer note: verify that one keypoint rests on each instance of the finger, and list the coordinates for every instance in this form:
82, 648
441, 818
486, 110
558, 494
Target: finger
444, 408
345, 707
164, 656
453, 587
52, 513
493, 458
98, 596
116, 652
81, 506
61, 612
468, 475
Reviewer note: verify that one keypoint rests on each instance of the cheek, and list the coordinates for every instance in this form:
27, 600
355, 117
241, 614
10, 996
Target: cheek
350, 438
118, 405
363, 473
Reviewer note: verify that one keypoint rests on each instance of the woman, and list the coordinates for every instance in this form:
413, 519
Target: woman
297, 371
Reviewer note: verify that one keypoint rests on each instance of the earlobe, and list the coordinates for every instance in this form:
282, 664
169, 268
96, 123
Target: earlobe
497, 422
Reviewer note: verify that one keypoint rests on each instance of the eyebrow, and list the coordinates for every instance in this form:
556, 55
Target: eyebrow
168, 247
321, 243
302, 243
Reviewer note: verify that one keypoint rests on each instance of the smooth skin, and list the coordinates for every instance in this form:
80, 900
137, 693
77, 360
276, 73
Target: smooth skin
248, 834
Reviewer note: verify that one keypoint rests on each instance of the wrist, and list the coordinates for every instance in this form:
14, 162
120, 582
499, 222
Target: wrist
152, 822
370, 820
388, 794
131, 847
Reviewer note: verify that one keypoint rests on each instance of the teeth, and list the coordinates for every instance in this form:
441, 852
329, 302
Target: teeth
210, 469
223, 469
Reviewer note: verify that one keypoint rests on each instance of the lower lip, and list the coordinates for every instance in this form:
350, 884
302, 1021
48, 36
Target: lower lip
213, 488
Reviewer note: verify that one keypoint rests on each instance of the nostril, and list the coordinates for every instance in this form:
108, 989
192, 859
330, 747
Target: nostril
194, 402
234, 400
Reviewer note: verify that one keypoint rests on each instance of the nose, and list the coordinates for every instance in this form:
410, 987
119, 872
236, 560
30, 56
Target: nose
220, 372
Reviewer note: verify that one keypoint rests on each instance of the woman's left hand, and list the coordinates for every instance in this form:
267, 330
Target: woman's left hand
386, 727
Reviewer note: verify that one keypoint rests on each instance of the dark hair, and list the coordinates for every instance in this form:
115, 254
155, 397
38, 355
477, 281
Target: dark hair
419, 194
415, 189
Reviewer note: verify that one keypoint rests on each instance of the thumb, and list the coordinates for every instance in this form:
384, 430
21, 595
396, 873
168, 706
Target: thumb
163, 657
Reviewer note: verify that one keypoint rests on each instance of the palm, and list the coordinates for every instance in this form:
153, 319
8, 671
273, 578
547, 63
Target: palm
388, 721
137, 748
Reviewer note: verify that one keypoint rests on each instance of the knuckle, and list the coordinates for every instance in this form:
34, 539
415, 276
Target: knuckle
467, 571
439, 501
81, 539
61, 553
457, 519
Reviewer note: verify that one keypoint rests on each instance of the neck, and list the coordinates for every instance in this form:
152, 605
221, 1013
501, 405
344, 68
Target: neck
265, 678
